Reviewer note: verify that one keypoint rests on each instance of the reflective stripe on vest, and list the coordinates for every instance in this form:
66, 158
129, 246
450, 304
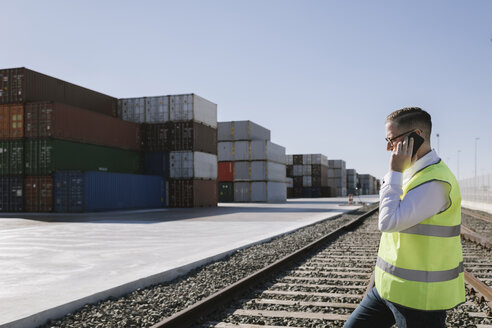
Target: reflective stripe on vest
433, 230
420, 275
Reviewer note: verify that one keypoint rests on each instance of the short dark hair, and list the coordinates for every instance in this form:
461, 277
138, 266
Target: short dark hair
412, 118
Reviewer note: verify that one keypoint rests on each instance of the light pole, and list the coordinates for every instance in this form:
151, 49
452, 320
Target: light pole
437, 135
459, 151
476, 140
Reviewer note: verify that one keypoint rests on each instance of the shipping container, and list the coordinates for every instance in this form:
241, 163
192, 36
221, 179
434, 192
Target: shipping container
155, 137
45, 156
319, 159
290, 192
225, 151
21, 85
191, 107
336, 164
192, 136
297, 159
259, 171
290, 159
178, 136
38, 194
11, 157
266, 150
241, 130
289, 170
132, 109
290, 182
312, 192
192, 193
11, 121
306, 169
306, 159
297, 170
260, 191
11, 194
226, 171
157, 109
307, 181
157, 163
103, 191
298, 192
298, 181
60, 121
226, 192
192, 165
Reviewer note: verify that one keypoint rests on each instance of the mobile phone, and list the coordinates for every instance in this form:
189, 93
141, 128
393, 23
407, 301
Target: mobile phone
417, 141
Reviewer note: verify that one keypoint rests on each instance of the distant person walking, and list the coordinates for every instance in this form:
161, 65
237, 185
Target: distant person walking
419, 269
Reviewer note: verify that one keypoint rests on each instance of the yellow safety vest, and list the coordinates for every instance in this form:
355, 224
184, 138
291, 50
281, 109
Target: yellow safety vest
422, 267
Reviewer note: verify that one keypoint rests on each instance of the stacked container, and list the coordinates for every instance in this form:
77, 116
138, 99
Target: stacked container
369, 184
337, 178
179, 140
49, 127
251, 167
352, 181
309, 174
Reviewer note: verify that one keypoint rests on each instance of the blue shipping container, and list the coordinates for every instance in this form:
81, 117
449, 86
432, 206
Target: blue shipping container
104, 191
11, 194
157, 163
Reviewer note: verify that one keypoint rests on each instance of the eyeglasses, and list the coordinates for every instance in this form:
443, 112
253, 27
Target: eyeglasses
389, 145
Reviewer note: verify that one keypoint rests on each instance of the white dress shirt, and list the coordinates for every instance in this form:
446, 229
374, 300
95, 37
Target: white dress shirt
419, 203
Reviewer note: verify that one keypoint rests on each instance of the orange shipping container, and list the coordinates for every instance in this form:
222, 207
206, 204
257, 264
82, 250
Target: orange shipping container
11, 121
226, 171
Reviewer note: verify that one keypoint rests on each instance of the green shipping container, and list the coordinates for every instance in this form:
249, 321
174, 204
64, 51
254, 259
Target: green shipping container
226, 192
45, 156
11, 157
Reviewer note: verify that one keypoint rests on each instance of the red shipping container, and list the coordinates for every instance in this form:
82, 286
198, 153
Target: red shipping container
11, 121
60, 121
192, 193
38, 194
226, 171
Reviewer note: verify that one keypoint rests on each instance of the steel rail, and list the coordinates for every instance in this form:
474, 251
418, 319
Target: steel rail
480, 288
471, 235
475, 215
189, 316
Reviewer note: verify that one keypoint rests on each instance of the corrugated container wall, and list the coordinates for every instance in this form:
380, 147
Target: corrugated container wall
45, 156
259, 171
226, 171
102, 191
192, 193
157, 163
11, 157
226, 192
38, 193
174, 136
11, 121
251, 151
192, 165
242, 130
20, 85
191, 107
11, 194
59, 121
271, 192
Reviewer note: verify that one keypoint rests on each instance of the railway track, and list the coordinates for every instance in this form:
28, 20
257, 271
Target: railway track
322, 289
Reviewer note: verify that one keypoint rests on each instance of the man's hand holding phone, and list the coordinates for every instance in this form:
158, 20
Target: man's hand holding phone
404, 153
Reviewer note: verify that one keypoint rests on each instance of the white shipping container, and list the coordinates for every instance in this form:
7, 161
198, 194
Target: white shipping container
319, 159
259, 171
272, 192
337, 182
157, 109
242, 151
336, 164
242, 130
290, 159
306, 169
307, 181
132, 109
188, 164
337, 173
191, 107
306, 159
225, 151
297, 170
267, 150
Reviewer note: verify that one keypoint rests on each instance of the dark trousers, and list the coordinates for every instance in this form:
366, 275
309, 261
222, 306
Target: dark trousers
375, 311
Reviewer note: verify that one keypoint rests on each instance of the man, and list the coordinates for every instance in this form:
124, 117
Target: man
419, 270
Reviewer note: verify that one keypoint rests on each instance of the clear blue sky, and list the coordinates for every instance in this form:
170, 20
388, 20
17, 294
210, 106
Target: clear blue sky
322, 75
